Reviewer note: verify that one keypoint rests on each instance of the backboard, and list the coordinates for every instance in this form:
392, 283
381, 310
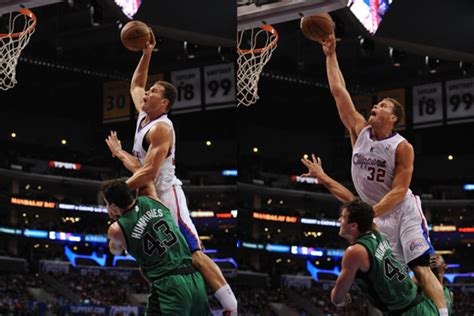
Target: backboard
7, 6
249, 15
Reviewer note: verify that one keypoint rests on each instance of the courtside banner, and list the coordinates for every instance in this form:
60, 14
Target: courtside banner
116, 103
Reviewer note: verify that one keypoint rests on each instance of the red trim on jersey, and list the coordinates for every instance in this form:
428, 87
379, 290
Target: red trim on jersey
180, 219
423, 221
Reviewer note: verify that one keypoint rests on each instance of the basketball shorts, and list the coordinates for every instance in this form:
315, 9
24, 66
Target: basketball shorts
175, 200
406, 230
178, 295
425, 308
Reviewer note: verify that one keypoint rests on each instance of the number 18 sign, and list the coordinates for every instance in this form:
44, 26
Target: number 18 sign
427, 105
460, 99
188, 84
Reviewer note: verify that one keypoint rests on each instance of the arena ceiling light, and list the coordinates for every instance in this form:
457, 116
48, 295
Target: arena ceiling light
432, 64
367, 46
190, 50
465, 67
96, 13
339, 29
228, 54
396, 56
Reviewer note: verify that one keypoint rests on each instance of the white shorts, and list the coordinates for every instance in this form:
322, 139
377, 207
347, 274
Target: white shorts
406, 230
175, 200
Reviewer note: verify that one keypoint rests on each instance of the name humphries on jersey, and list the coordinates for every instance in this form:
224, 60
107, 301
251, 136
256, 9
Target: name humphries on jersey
364, 162
381, 250
140, 226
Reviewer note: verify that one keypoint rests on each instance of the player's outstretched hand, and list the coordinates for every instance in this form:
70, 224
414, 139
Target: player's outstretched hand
114, 143
315, 168
151, 44
329, 45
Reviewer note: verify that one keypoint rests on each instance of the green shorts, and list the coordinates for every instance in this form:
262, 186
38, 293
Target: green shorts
179, 295
425, 308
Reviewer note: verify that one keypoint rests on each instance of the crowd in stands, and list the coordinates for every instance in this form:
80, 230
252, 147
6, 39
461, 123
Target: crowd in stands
95, 290
107, 290
15, 299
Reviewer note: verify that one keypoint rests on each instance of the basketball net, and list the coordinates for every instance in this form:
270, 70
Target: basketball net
12, 43
251, 60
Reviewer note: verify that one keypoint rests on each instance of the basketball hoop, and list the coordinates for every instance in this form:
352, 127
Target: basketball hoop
12, 43
261, 44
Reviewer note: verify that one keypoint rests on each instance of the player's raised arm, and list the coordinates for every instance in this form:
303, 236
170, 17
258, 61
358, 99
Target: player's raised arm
140, 76
315, 169
129, 161
351, 119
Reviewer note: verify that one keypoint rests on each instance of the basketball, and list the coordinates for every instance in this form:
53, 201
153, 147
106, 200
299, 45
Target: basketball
134, 35
317, 27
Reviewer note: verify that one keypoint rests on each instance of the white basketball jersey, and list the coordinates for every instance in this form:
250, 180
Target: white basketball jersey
166, 177
373, 165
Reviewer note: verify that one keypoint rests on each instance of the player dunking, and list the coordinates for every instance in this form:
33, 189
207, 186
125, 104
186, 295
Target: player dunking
154, 160
382, 167
145, 228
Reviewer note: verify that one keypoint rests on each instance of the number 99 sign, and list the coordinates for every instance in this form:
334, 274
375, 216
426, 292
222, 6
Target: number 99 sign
460, 98
219, 84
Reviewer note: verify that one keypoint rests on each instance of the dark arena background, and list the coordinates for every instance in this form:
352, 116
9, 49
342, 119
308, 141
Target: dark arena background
273, 233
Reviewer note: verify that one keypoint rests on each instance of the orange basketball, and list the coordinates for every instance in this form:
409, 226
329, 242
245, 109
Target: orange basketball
317, 27
134, 35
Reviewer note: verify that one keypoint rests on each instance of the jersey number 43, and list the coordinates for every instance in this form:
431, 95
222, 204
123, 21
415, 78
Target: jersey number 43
152, 244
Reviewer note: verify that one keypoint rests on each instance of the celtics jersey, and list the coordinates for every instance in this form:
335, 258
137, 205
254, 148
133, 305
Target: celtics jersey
387, 283
449, 301
153, 238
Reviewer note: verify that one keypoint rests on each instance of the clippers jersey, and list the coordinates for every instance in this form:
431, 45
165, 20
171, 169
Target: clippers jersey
373, 166
166, 177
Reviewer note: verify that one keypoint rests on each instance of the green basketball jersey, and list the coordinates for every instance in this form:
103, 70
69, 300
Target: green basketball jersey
153, 238
387, 283
449, 301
